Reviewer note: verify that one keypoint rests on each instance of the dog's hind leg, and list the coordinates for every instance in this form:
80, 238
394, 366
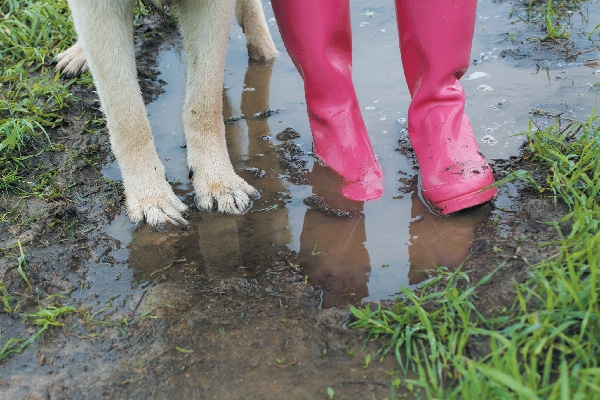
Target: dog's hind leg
105, 30
206, 25
251, 18
71, 62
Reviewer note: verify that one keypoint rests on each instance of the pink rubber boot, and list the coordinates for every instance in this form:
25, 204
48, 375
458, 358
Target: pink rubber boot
435, 42
318, 38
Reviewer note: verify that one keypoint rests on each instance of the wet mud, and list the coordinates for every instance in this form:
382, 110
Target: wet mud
256, 306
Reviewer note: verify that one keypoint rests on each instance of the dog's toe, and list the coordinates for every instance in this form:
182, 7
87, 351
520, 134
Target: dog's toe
71, 62
236, 203
204, 202
135, 214
155, 216
157, 211
242, 199
70, 68
228, 199
254, 194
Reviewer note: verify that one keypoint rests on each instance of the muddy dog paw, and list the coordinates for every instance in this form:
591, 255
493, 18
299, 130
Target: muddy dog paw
71, 62
148, 194
227, 193
251, 18
156, 204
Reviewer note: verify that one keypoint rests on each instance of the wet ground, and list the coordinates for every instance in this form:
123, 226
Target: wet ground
255, 306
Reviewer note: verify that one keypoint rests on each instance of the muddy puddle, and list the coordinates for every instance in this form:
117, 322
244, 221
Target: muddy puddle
379, 246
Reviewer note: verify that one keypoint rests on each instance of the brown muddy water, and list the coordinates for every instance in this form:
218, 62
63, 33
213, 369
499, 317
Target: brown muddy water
383, 244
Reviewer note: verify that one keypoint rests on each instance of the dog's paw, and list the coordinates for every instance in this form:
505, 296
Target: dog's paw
156, 208
230, 195
71, 62
261, 47
251, 18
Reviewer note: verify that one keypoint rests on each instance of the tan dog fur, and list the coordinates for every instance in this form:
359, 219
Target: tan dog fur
105, 45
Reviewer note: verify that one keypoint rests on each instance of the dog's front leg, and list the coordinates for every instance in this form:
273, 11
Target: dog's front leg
105, 30
206, 25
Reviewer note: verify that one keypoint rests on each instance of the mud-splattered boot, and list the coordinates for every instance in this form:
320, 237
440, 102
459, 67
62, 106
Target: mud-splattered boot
318, 38
435, 43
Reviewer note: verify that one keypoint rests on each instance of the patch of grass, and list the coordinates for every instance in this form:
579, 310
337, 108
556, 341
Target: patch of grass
552, 15
330, 393
548, 344
32, 94
22, 266
150, 309
49, 311
46, 317
596, 31
5, 299
554, 30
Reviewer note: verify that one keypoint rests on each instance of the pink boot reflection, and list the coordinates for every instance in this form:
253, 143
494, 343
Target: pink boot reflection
332, 248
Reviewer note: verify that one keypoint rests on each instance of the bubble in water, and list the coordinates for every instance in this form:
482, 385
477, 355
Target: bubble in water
484, 88
489, 139
498, 106
477, 75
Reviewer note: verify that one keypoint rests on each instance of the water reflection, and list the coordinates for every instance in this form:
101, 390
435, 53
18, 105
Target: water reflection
439, 241
332, 248
368, 252
333, 253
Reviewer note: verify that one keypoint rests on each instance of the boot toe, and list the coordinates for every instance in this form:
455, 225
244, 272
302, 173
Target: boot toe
460, 192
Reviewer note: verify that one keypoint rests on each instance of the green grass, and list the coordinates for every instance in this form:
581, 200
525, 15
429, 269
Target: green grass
46, 317
553, 16
554, 30
32, 98
32, 95
547, 346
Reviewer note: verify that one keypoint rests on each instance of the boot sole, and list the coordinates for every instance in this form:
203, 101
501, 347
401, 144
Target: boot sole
462, 202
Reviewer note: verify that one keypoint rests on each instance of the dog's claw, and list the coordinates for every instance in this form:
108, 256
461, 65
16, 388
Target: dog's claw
255, 195
232, 199
155, 216
157, 211
71, 62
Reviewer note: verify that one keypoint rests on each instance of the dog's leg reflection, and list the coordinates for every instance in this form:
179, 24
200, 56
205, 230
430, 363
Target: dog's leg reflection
269, 228
332, 248
437, 241
219, 244
244, 137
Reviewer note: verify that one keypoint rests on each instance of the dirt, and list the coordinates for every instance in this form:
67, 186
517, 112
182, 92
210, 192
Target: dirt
252, 331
